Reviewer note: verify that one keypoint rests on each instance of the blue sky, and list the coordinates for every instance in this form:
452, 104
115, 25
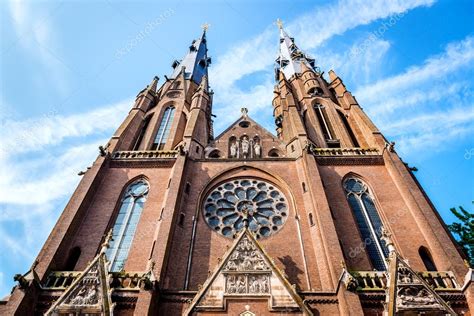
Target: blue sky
70, 70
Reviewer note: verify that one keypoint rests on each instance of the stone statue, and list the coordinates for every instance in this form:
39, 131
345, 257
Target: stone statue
264, 286
245, 146
257, 149
231, 286
254, 285
233, 150
241, 284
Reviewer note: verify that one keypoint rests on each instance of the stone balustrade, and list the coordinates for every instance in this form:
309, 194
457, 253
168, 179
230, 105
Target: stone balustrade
127, 280
335, 152
60, 280
377, 280
145, 154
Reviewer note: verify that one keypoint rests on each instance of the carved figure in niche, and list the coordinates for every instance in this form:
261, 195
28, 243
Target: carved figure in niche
241, 288
233, 150
245, 146
257, 149
231, 285
264, 285
254, 285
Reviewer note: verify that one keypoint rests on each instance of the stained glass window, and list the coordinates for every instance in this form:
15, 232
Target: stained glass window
126, 223
368, 221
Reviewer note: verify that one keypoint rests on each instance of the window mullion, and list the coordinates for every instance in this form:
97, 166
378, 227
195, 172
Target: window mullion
372, 230
324, 121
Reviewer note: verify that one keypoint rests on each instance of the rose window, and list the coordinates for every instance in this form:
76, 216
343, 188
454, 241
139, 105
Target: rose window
231, 205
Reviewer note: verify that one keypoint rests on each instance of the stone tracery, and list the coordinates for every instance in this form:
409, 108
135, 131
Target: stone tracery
259, 204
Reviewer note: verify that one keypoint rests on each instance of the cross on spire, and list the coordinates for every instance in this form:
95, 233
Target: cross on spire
205, 26
279, 23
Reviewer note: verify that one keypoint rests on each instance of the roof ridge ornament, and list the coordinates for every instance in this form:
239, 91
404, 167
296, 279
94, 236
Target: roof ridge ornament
244, 111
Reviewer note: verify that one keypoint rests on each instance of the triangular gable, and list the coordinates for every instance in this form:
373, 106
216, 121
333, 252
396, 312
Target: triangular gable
409, 292
247, 271
251, 121
89, 293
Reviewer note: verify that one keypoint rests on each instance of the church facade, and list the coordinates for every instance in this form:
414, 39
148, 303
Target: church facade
321, 218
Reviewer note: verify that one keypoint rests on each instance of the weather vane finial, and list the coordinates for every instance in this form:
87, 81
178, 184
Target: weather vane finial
205, 26
279, 23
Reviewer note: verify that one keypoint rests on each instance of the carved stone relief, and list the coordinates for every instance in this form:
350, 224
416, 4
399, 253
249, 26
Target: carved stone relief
413, 297
246, 271
88, 294
87, 291
243, 271
412, 293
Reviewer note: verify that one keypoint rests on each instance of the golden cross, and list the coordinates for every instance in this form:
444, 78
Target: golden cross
205, 26
279, 23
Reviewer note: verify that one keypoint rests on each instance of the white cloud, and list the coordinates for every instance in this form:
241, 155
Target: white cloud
335, 19
456, 56
36, 133
310, 30
361, 67
417, 95
427, 105
432, 121
28, 184
32, 173
35, 180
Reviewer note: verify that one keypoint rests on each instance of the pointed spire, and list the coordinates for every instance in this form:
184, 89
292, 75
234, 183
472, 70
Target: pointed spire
196, 61
291, 58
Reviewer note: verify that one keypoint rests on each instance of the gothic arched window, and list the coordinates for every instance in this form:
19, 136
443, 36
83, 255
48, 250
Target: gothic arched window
368, 221
125, 225
146, 122
427, 259
164, 129
323, 121
355, 143
72, 259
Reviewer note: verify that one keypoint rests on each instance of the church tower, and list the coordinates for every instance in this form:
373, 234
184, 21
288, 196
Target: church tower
321, 218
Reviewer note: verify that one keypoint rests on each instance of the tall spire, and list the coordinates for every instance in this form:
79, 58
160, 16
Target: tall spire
195, 61
290, 57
